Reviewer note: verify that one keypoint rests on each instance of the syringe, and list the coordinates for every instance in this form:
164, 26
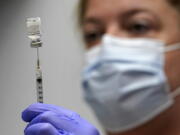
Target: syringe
34, 33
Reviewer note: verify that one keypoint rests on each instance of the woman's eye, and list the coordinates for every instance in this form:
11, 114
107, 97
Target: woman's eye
92, 37
139, 28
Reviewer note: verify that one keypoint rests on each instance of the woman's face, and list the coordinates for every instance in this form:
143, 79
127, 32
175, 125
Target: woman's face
133, 19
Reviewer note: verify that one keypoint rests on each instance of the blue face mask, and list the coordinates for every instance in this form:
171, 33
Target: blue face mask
124, 81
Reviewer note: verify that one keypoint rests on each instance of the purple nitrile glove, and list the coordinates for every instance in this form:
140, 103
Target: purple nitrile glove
45, 119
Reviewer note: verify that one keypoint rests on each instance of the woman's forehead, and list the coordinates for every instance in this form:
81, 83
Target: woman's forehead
105, 7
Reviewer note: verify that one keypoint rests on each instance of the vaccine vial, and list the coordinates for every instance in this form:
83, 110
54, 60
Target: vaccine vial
34, 31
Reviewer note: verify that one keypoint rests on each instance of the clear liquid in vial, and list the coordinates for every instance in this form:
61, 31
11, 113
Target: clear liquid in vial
33, 28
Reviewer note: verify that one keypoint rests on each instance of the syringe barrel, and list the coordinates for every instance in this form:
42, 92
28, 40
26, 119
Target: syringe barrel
39, 86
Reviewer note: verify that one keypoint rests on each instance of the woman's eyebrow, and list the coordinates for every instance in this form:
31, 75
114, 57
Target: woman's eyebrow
125, 14
132, 12
92, 20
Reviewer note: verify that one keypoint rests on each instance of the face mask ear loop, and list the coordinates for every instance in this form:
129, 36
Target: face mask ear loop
176, 93
172, 47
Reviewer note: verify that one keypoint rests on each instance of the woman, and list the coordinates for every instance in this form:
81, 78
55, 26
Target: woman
132, 75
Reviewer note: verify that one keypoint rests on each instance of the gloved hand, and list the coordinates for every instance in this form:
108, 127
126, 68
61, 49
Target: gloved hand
45, 119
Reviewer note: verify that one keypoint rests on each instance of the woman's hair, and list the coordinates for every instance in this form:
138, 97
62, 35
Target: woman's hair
175, 3
81, 10
83, 4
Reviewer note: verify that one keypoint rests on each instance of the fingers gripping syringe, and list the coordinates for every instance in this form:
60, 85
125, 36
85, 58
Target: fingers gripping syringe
34, 33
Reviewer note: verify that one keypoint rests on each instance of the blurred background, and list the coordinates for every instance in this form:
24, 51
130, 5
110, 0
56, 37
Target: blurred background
61, 56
